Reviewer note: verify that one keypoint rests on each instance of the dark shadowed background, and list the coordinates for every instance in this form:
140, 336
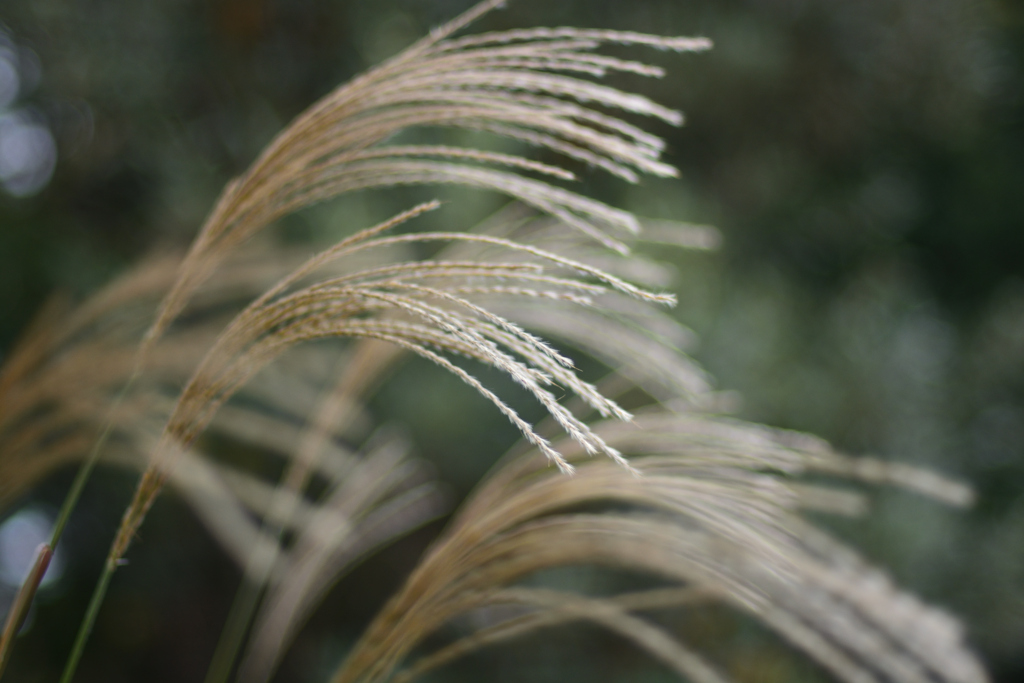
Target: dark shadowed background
864, 160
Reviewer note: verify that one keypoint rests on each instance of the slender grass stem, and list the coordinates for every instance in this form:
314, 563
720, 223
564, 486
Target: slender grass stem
247, 599
22, 601
259, 566
27, 592
85, 628
71, 500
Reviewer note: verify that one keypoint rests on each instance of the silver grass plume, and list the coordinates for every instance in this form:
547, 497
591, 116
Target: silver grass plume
713, 505
58, 382
512, 84
717, 513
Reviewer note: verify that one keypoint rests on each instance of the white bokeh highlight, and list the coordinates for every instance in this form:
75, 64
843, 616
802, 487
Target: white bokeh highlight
28, 151
10, 80
28, 154
19, 537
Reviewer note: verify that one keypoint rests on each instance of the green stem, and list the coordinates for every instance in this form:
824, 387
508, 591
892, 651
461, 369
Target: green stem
260, 564
243, 607
109, 567
86, 468
30, 586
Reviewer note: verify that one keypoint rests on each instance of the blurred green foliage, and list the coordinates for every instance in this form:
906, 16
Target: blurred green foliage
864, 160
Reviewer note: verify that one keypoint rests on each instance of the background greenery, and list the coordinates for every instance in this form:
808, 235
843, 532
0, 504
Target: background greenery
864, 160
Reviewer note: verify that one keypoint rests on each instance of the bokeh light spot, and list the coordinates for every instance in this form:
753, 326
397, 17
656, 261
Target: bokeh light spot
19, 537
28, 154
